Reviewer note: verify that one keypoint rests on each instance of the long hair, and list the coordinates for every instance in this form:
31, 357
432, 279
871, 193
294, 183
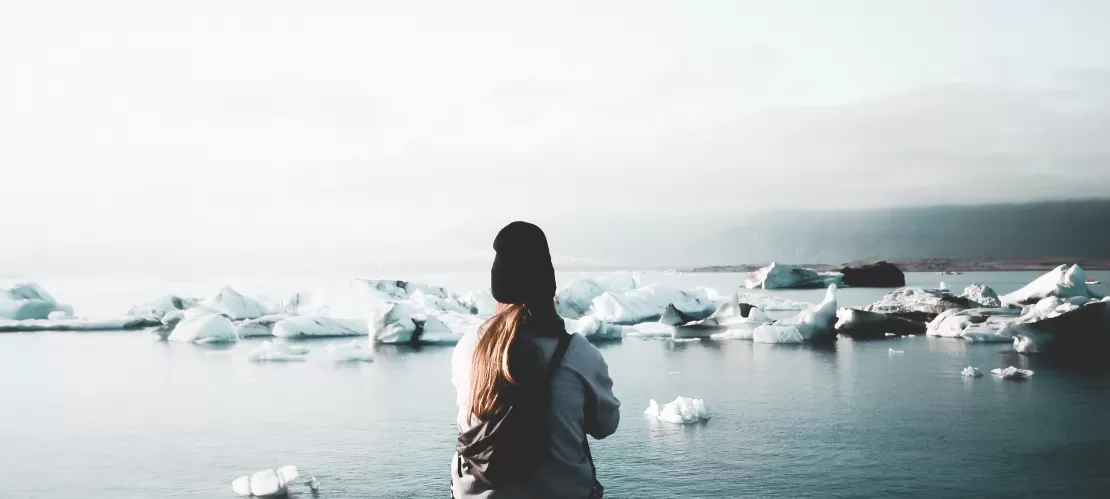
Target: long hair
490, 369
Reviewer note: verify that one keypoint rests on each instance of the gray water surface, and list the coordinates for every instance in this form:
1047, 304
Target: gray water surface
120, 415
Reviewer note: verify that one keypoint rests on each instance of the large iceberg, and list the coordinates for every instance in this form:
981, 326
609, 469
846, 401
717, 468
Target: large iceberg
778, 276
234, 305
1061, 282
648, 304
917, 304
861, 324
682, 410
29, 301
204, 327
318, 327
74, 324
1080, 330
809, 325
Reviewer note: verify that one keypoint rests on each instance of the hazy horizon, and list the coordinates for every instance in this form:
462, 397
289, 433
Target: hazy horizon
157, 138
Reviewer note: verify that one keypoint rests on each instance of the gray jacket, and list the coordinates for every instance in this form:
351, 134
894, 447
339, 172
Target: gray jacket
582, 403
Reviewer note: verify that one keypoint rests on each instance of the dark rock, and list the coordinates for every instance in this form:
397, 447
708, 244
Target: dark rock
874, 275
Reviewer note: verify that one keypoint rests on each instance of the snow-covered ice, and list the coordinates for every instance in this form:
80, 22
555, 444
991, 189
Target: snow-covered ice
234, 305
204, 328
318, 327
648, 304
779, 276
1012, 373
682, 410
1061, 282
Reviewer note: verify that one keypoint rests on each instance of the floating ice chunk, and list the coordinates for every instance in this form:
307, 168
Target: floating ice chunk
594, 329
982, 294
234, 305
61, 314
1062, 282
1012, 373
318, 327
892, 351
260, 327
313, 484
977, 324
943, 286
158, 308
72, 324
674, 373
922, 305
276, 352
393, 324
650, 330
778, 276
910, 335
682, 410
573, 300
890, 334
266, 483
28, 301
816, 322
971, 372
1079, 330
204, 328
648, 304
241, 486
354, 351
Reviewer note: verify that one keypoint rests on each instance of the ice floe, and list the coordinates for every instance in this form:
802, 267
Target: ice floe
355, 351
318, 327
917, 304
204, 328
682, 410
779, 276
1062, 282
1012, 373
266, 483
29, 301
971, 372
648, 304
75, 324
277, 352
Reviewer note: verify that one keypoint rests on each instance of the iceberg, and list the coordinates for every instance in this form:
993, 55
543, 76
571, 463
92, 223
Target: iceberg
29, 301
648, 304
434, 302
75, 324
204, 328
1012, 373
594, 329
892, 351
861, 324
276, 352
1062, 282
982, 294
260, 327
234, 305
809, 325
266, 483
976, 324
1079, 330
158, 308
479, 302
448, 328
971, 372
394, 324
573, 300
682, 410
778, 276
354, 351
318, 327
921, 305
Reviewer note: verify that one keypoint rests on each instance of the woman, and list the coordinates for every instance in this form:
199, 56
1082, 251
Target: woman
524, 349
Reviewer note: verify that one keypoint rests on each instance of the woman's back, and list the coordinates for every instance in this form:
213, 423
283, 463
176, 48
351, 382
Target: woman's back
582, 402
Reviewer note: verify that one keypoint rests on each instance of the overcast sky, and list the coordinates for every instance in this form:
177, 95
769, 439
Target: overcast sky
224, 133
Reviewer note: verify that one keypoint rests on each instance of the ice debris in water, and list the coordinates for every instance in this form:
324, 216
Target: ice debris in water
911, 335
895, 352
313, 484
683, 410
1012, 373
266, 483
890, 334
276, 352
971, 372
674, 373
354, 351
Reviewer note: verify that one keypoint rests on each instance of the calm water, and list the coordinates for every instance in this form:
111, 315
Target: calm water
119, 415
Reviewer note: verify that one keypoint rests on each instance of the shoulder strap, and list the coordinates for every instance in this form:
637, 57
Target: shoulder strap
557, 357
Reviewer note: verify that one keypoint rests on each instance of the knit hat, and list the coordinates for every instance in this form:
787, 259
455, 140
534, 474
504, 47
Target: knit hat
522, 272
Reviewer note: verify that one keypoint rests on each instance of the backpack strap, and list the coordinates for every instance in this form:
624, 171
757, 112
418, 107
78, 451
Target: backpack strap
557, 357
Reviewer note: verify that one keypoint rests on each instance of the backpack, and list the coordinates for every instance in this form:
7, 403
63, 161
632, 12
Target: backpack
511, 444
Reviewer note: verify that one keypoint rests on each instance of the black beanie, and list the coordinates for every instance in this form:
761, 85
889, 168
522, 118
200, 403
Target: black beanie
522, 271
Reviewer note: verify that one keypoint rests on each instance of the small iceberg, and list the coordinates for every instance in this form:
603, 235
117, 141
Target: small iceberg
277, 352
971, 372
779, 276
812, 324
682, 411
318, 327
204, 327
1012, 373
313, 484
266, 483
354, 351
29, 301
892, 351
1062, 282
